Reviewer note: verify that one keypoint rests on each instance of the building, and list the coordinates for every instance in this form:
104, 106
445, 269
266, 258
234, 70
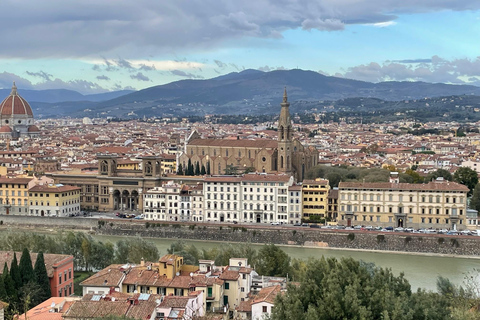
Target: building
285, 155
16, 117
295, 204
438, 204
59, 269
51, 309
189, 307
14, 195
54, 200
263, 303
315, 199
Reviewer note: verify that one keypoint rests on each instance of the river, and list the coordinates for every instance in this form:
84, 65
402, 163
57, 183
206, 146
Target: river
420, 270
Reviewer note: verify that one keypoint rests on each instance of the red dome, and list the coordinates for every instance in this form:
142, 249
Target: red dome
32, 128
5, 129
15, 105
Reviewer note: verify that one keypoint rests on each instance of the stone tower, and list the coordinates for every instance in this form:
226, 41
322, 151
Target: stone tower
285, 141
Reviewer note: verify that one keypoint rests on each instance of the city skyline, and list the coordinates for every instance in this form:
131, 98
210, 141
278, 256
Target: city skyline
95, 47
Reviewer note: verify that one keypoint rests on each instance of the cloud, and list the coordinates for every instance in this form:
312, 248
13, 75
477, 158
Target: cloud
384, 24
436, 69
220, 64
268, 68
122, 63
103, 77
80, 29
184, 74
140, 77
41, 74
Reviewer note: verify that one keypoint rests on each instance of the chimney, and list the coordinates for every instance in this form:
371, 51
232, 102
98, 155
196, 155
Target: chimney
142, 262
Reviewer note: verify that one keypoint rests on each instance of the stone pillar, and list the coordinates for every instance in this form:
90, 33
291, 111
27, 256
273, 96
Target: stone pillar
111, 201
140, 199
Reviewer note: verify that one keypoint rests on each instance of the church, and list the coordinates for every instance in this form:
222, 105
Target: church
16, 117
286, 155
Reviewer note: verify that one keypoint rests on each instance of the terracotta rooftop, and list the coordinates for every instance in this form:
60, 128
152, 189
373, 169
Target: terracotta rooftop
260, 143
267, 294
431, 186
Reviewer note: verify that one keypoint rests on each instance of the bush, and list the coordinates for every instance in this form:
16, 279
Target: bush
254, 233
351, 236
408, 239
191, 227
111, 224
441, 240
147, 224
294, 232
176, 226
380, 238
244, 229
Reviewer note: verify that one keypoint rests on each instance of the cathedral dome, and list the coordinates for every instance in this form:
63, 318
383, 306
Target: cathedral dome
15, 105
5, 129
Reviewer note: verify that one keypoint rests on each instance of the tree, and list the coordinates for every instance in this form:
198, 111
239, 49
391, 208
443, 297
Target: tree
475, 200
197, 168
133, 250
231, 170
203, 171
467, 177
272, 261
180, 169
10, 288
416, 178
189, 171
349, 289
445, 174
25, 267
41, 277
15, 272
208, 167
3, 291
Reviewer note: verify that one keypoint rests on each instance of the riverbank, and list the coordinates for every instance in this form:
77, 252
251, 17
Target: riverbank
441, 245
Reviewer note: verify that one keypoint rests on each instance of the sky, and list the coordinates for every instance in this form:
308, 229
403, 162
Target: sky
94, 46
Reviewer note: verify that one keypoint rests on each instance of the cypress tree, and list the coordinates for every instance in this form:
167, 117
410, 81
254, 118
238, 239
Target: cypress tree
180, 169
15, 272
3, 290
203, 171
197, 168
9, 285
189, 171
208, 167
26, 268
41, 277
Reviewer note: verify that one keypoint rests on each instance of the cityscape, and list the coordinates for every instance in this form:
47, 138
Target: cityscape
247, 161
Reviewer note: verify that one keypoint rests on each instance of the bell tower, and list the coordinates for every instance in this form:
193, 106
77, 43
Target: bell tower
285, 141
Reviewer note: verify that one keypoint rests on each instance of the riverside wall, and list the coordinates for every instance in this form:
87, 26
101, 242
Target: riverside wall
300, 236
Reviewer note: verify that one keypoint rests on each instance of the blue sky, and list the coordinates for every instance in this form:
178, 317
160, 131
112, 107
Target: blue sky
97, 46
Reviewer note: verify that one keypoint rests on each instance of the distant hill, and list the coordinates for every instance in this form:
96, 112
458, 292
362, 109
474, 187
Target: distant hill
62, 95
246, 92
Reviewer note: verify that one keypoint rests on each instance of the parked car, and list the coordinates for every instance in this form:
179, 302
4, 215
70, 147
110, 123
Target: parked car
275, 223
141, 216
315, 226
399, 229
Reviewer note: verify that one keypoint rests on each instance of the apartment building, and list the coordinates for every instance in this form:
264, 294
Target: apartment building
438, 204
222, 198
162, 203
315, 199
295, 204
54, 200
14, 195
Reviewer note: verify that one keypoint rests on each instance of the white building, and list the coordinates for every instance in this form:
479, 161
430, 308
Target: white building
222, 198
263, 302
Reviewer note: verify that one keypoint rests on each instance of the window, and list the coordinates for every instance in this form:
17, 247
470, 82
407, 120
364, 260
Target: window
60, 278
227, 285
264, 309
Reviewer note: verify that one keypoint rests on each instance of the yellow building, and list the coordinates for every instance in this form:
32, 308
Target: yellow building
438, 204
315, 199
14, 195
54, 200
168, 163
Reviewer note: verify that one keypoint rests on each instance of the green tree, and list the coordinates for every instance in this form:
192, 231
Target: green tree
10, 288
26, 267
349, 289
180, 169
417, 178
203, 171
197, 168
3, 291
133, 250
475, 200
272, 261
41, 277
15, 272
445, 174
467, 177
208, 167
231, 170
190, 170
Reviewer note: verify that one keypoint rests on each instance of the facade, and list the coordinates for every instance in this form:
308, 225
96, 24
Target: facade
438, 204
16, 117
59, 269
14, 195
286, 155
295, 204
54, 200
263, 303
315, 199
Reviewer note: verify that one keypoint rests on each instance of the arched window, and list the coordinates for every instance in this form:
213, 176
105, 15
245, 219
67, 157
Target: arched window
281, 162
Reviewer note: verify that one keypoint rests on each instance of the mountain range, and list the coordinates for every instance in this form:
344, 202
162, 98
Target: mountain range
246, 92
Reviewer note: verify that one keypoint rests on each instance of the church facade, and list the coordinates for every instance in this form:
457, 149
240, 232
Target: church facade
285, 155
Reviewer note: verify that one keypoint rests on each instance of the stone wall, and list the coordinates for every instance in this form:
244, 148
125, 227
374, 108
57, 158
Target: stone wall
437, 244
